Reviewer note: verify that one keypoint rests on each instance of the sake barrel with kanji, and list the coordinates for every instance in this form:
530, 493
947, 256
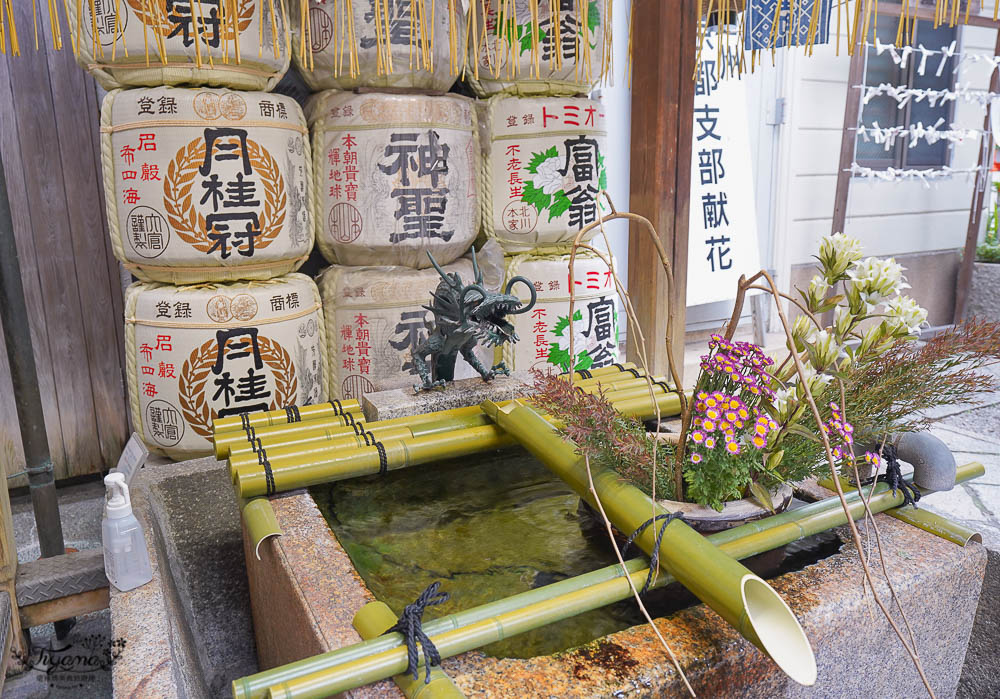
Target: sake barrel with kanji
206, 184
396, 177
375, 318
200, 352
545, 330
243, 44
555, 53
543, 166
400, 44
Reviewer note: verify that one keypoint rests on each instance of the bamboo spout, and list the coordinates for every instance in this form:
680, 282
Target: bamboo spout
748, 603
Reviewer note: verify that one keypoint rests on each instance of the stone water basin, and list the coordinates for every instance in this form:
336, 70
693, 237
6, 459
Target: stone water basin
501, 525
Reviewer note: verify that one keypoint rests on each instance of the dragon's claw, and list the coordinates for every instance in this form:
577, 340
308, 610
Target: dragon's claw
500, 368
427, 386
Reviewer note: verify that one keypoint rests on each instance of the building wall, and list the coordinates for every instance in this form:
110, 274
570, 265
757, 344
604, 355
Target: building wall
922, 227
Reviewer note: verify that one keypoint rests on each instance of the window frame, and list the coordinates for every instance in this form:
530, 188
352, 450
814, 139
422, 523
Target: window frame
901, 147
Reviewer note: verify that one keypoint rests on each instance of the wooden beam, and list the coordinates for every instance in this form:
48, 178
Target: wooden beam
65, 607
976, 208
927, 13
8, 573
848, 137
663, 49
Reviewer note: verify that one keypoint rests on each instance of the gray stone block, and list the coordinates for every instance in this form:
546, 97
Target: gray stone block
984, 292
198, 525
402, 402
981, 674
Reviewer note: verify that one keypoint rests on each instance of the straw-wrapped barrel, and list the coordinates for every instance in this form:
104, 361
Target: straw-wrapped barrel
205, 184
543, 166
402, 44
243, 44
375, 317
559, 47
396, 177
544, 332
197, 353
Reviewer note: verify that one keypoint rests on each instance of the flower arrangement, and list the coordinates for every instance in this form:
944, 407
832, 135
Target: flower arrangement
749, 426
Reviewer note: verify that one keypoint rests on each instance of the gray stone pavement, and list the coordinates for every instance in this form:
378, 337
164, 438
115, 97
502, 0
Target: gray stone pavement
973, 434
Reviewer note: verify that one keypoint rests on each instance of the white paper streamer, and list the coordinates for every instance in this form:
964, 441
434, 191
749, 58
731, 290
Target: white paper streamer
899, 56
887, 135
903, 94
898, 175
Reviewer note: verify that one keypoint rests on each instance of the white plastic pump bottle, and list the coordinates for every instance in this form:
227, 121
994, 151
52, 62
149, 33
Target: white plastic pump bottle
126, 561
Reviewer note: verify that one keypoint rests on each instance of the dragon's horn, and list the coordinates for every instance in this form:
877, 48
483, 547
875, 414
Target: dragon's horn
438, 267
461, 299
478, 275
524, 307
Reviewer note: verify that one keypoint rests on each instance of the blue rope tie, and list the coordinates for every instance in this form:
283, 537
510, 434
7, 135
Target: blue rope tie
410, 625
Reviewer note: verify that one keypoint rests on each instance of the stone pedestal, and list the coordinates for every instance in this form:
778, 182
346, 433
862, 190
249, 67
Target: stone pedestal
984, 292
402, 402
305, 591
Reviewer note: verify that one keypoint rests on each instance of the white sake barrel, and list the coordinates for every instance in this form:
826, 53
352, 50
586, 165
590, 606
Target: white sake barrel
201, 352
564, 63
543, 165
544, 331
388, 54
206, 184
396, 177
242, 44
375, 318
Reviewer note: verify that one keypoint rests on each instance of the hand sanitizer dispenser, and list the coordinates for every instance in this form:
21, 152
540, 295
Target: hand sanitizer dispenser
126, 561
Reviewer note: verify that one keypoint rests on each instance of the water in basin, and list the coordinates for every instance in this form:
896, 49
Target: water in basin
488, 527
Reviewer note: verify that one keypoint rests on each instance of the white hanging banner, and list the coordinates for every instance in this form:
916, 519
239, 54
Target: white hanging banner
722, 237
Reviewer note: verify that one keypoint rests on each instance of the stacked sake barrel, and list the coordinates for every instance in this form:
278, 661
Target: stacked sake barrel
544, 163
208, 183
396, 164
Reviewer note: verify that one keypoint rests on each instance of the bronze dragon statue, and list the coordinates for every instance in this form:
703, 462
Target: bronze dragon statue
465, 316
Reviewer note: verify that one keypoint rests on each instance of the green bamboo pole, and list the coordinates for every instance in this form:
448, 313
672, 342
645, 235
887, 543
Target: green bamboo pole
744, 600
922, 519
280, 450
352, 463
244, 452
308, 431
294, 472
313, 428
373, 620
936, 524
258, 516
740, 542
632, 392
316, 443
264, 418
225, 440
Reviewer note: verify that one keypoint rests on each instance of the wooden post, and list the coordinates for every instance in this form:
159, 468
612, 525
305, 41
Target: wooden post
848, 137
976, 209
8, 573
663, 49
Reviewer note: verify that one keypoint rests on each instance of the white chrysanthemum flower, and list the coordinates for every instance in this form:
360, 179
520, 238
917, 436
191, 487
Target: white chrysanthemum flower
842, 320
837, 253
880, 279
903, 311
548, 178
783, 402
825, 348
